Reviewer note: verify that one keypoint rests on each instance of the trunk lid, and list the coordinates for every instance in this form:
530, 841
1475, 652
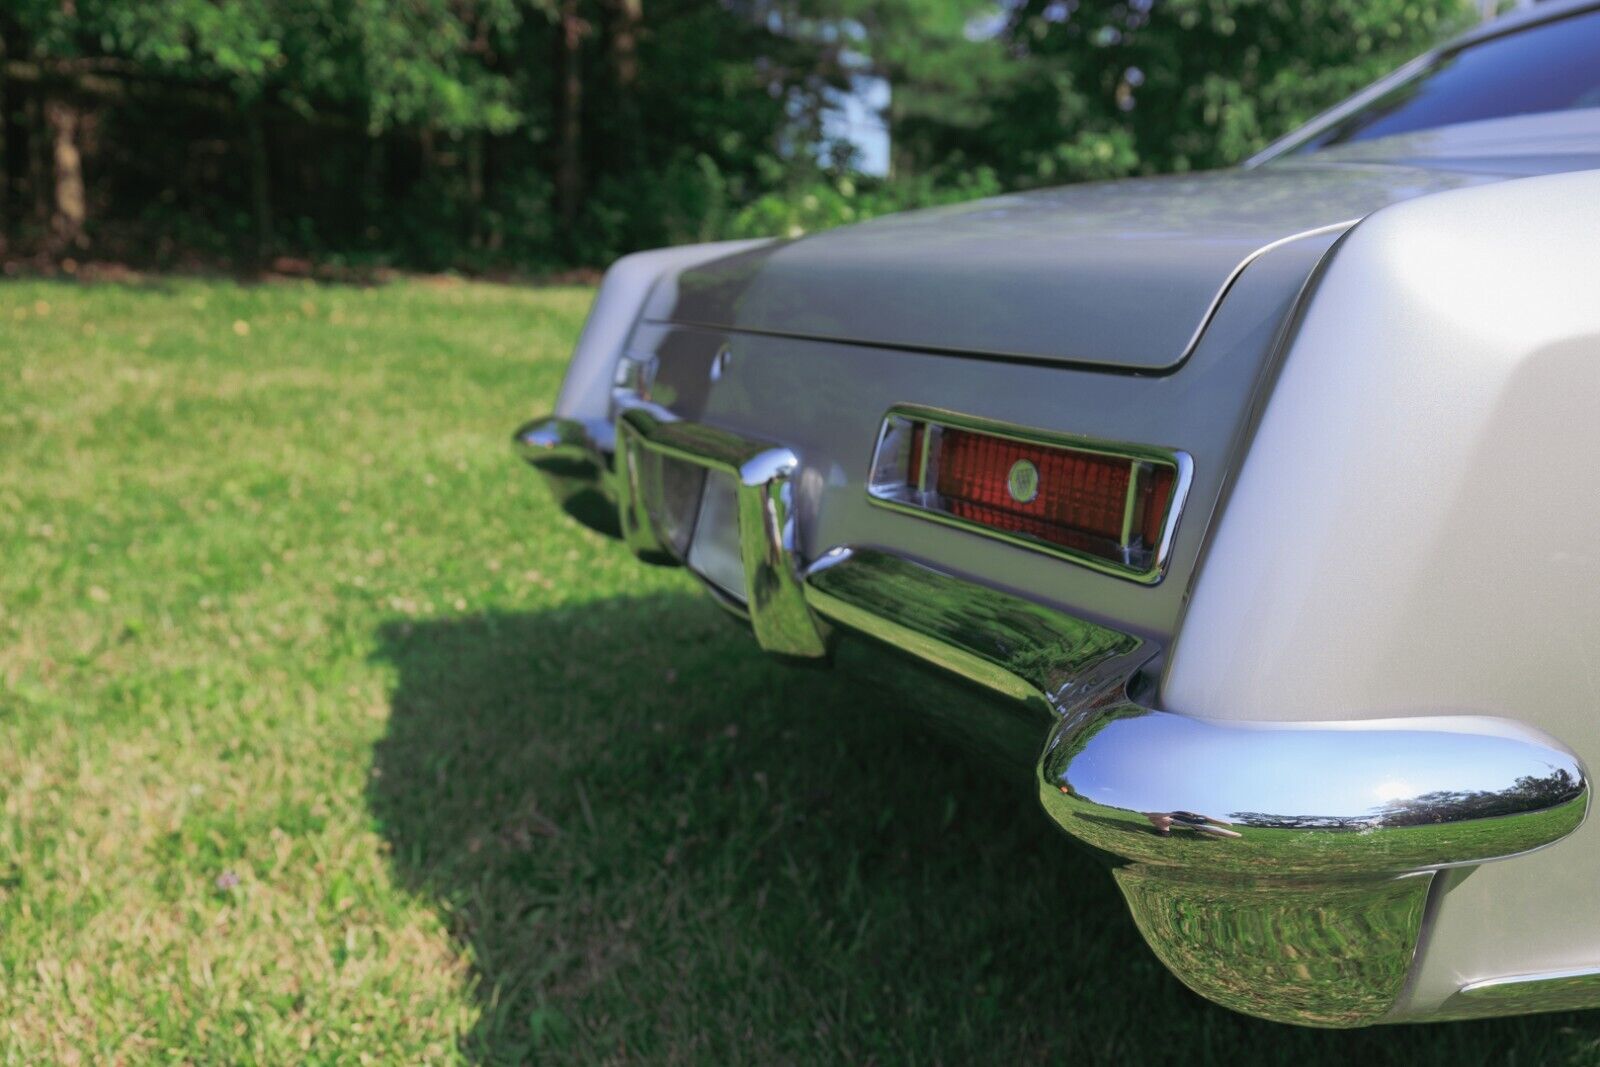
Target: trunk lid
1117, 274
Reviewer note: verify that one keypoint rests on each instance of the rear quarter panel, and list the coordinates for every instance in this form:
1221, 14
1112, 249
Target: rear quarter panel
1413, 529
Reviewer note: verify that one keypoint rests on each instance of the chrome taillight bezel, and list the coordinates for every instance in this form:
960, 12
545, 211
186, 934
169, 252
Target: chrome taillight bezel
892, 485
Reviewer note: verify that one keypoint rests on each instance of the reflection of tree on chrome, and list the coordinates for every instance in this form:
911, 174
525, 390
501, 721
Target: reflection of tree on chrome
1164, 821
1529, 792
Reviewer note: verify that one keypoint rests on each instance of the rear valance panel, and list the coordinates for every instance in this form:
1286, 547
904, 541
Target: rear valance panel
1121, 275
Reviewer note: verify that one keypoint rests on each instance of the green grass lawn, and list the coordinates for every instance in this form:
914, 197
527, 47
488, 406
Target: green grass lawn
325, 739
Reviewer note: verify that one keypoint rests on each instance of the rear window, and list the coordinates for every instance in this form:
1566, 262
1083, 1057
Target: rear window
1554, 66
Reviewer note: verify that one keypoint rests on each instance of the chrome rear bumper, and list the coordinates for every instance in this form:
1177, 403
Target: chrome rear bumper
575, 459
1281, 869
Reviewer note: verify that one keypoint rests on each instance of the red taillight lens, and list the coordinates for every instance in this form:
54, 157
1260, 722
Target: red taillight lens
1091, 501
1080, 497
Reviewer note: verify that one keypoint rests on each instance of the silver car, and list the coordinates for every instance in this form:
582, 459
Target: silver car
1252, 514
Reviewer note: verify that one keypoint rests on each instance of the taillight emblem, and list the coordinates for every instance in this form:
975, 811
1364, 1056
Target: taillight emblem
1110, 506
1022, 481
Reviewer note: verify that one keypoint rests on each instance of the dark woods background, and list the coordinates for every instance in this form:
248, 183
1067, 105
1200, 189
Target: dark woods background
528, 135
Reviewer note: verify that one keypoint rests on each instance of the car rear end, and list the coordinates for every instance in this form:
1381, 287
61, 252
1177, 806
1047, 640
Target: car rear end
1016, 537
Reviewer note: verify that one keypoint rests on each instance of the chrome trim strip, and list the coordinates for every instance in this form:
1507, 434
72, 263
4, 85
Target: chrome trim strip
940, 418
1279, 868
1130, 504
775, 601
923, 459
1522, 994
1240, 267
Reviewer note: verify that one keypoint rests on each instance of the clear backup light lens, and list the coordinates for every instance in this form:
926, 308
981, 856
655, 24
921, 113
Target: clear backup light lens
902, 447
671, 490
714, 553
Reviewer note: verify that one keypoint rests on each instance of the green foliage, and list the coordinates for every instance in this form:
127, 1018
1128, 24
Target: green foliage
395, 64
1047, 91
530, 133
1196, 84
229, 41
823, 202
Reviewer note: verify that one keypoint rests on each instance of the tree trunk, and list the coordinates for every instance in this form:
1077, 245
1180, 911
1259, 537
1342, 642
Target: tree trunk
370, 201
5, 155
260, 188
625, 148
898, 164
475, 189
36, 144
569, 167
70, 210
427, 163
628, 17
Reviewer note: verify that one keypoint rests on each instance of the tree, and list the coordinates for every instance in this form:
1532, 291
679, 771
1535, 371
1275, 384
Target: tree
1160, 85
374, 64
440, 133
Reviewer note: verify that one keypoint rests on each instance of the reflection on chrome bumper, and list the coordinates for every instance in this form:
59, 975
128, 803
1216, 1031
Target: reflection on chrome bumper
1278, 868
575, 459
1310, 910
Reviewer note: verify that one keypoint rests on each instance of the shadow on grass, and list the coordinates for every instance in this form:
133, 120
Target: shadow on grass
656, 845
